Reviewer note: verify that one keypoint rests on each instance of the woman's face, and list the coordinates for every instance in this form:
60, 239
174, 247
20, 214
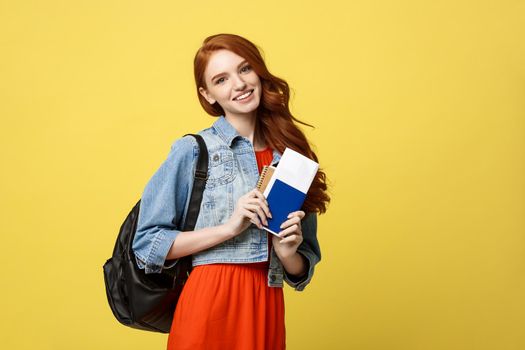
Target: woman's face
231, 82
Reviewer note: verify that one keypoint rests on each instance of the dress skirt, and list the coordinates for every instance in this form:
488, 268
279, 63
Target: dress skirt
229, 306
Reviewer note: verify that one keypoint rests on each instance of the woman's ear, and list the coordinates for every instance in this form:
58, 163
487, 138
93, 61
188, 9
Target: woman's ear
206, 95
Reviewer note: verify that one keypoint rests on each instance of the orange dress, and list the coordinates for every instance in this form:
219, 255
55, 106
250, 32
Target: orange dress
230, 306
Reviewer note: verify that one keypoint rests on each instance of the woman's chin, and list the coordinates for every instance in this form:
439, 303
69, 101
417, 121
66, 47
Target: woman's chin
245, 109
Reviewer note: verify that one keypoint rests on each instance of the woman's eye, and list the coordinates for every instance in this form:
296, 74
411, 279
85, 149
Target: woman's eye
218, 81
248, 67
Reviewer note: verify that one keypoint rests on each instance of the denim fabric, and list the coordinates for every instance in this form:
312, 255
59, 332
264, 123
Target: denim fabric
232, 172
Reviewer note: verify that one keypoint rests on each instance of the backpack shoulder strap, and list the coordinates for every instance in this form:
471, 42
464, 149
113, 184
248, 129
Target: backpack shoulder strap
199, 182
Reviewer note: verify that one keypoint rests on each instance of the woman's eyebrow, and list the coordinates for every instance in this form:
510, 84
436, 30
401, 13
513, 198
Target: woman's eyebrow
240, 64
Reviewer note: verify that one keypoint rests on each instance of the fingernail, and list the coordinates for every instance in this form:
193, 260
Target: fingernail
289, 215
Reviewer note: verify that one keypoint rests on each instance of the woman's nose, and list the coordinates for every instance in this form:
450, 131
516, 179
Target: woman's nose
239, 84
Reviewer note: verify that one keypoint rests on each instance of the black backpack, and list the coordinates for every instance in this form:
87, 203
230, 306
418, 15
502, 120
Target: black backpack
143, 301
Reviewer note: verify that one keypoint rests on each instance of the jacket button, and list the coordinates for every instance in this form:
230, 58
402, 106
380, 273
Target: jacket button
216, 157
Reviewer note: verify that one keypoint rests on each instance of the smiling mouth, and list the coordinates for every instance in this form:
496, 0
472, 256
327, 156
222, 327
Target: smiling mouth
243, 96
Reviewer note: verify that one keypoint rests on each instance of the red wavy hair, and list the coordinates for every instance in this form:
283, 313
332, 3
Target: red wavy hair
275, 123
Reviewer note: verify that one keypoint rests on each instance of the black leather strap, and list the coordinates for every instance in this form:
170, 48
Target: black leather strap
199, 182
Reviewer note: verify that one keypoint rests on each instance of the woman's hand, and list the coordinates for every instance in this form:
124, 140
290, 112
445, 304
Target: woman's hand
290, 236
250, 208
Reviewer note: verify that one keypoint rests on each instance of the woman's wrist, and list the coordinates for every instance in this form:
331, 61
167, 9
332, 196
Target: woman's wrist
295, 264
227, 231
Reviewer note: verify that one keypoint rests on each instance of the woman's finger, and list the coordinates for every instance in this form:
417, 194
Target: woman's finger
294, 229
259, 211
254, 218
262, 203
293, 221
301, 214
291, 239
258, 194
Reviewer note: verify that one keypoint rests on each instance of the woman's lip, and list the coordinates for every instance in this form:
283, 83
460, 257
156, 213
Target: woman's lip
252, 90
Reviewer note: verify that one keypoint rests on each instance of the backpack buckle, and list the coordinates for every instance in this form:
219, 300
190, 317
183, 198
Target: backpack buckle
203, 175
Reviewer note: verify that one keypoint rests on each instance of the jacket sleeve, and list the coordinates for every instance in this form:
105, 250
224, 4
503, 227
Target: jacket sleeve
310, 249
165, 197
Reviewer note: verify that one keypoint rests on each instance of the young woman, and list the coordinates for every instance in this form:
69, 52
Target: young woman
233, 298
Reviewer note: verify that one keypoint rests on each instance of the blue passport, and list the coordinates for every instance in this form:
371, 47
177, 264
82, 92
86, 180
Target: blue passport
282, 200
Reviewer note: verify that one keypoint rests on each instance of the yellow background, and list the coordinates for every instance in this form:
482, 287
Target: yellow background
419, 112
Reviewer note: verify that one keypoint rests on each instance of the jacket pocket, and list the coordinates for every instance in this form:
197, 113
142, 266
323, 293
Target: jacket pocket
221, 170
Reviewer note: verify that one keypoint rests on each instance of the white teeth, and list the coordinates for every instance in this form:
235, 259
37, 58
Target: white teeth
242, 97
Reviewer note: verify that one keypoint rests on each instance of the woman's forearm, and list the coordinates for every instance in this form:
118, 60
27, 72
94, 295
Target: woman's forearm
190, 242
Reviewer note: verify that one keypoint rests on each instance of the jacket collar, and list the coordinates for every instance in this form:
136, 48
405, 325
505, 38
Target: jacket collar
228, 133
225, 130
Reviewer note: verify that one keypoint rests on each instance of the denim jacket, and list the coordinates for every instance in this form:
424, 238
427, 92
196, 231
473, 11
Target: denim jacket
232, 172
